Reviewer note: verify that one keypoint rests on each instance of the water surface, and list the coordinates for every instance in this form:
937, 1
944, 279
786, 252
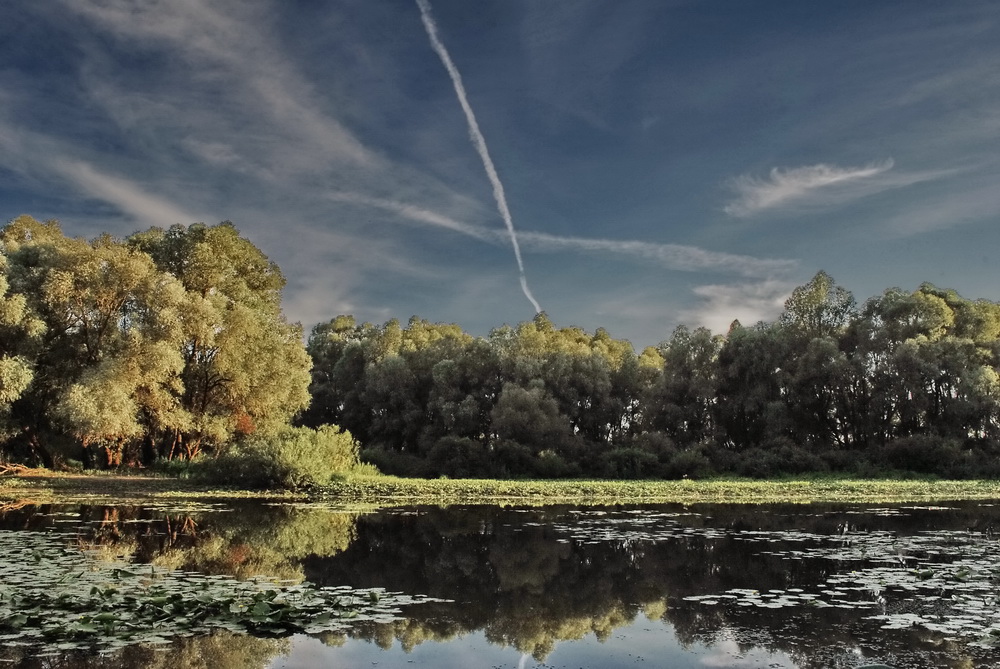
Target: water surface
658, 586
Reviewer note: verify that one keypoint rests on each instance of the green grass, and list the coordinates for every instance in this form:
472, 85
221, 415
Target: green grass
46, 487
385, 489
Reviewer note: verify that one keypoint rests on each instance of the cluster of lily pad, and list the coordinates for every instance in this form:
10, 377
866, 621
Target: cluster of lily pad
56, 597
943, 581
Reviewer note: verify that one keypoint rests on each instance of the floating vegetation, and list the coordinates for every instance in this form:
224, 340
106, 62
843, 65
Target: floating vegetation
55, 597
943, 581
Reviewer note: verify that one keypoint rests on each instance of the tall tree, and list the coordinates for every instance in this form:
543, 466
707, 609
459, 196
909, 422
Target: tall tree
20, 336
681, 403
109, 358
245, 368
819, 308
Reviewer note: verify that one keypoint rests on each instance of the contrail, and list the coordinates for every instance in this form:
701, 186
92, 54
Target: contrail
478, 141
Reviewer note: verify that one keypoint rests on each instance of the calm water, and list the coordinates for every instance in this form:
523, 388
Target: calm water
654, 586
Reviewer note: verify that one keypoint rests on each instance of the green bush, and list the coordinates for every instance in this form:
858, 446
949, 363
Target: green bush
552, 465
690, 463
458, 457
630, 463
925, 454
396, 463
778, 457
297, 457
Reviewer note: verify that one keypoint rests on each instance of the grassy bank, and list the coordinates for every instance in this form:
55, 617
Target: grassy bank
39, 486
465, 491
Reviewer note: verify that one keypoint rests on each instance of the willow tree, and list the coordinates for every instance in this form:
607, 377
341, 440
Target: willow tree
106, 362
244, 369
20, 335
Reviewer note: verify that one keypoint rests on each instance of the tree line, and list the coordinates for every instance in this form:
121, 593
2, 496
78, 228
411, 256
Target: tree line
171, 344
907, 381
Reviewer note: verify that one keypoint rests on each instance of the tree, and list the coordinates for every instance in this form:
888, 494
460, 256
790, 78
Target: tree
109, 360
527, 422
681, 403
245, 369
818, 308
750, 406
20, 334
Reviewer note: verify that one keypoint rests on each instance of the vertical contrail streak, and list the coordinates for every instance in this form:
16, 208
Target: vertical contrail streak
478, 141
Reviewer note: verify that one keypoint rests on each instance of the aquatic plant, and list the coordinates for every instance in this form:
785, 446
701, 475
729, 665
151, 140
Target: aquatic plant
55, 597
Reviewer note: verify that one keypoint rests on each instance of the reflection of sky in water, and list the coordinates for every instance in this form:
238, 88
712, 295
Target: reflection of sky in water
644, 643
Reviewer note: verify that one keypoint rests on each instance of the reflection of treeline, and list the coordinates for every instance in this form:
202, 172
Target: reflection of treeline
908, 381
267, 541
222, 650
515, 578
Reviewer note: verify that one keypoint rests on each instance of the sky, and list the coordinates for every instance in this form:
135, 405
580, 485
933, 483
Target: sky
626, 164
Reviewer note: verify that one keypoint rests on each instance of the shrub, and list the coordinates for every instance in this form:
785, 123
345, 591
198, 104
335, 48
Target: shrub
690, 463
515, 460
780, 456
297, 457
630, 463
396, 463
925, 454
458, 457
552, 465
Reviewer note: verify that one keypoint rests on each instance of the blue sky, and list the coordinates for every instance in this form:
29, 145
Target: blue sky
662, 162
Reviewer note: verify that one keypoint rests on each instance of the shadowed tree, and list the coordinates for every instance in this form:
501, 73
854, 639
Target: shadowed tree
681, 403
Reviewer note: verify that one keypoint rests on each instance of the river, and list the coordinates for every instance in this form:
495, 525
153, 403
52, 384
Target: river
776, 586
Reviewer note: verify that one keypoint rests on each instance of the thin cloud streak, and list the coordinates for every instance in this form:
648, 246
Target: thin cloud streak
420, 215
127, 196
239, 53
478, 141
672, 256
793, 185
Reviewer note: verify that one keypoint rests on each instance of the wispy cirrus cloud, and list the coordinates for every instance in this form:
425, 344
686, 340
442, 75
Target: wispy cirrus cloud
229, 57
128, 197
671, 256
799, 185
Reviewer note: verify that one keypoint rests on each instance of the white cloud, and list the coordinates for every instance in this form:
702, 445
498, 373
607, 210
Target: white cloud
747, 302
131, 199
232, 57
671, 256
799, 184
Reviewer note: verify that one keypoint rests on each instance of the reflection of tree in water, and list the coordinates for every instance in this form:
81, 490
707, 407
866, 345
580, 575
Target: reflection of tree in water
527, 581
516, 577
254, 540
518, 583
272, 544
222, 650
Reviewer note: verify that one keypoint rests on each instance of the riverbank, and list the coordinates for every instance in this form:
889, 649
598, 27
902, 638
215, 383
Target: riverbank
43, 487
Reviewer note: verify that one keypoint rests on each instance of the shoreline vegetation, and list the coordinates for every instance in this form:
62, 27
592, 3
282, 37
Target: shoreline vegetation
34, 487
168, 352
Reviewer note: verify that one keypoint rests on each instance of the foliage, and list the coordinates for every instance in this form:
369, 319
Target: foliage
157, 346
63, 599
828, 385
296, 457
172, 344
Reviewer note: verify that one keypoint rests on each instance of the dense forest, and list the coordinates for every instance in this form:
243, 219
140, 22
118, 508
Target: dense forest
171, 344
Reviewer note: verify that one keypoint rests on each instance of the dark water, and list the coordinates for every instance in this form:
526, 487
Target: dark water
647, 586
